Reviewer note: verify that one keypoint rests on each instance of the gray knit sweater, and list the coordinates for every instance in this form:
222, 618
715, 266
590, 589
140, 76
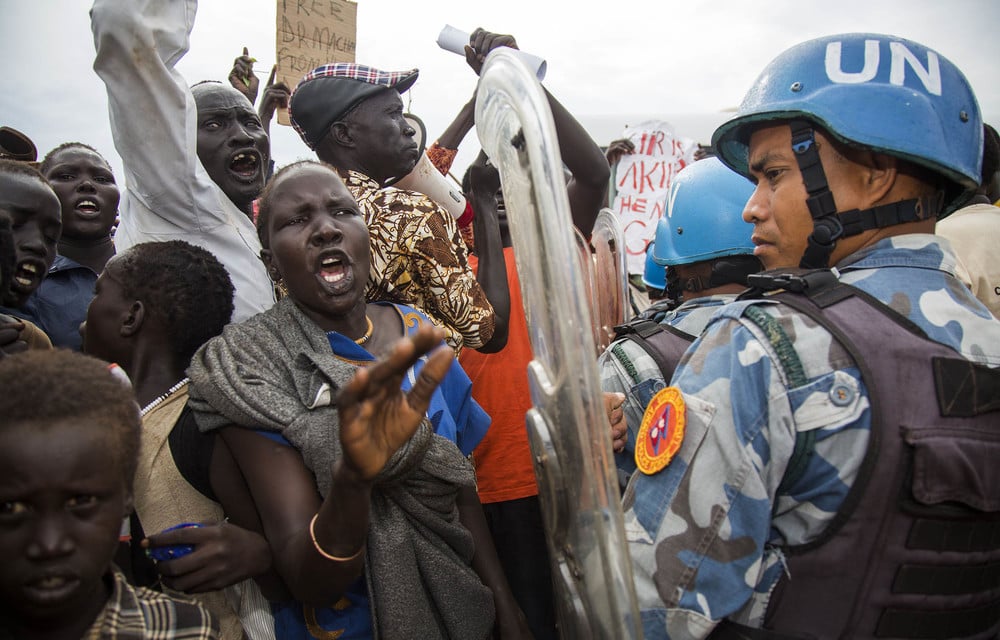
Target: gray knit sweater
277, 372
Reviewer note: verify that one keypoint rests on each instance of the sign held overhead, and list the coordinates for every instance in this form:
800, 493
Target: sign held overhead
311, 33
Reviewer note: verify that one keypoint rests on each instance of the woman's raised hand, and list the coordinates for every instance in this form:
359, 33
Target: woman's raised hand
376, 416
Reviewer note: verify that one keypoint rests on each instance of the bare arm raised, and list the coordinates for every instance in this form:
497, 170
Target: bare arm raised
588, 167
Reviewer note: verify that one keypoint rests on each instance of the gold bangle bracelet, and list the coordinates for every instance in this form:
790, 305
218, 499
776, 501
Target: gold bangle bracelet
319, 549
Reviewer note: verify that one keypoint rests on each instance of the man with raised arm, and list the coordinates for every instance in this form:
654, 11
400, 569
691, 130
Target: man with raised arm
195, 158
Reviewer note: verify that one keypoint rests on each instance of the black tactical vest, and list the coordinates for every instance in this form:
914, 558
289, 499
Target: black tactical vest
914, 551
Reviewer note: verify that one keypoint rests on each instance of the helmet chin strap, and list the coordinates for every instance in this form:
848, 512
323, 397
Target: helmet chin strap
828, 227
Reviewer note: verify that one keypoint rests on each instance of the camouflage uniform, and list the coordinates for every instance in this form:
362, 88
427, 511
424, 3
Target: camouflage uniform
705, 534
626, 368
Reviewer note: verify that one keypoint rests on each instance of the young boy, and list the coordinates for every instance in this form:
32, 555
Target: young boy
35, 217
68, 453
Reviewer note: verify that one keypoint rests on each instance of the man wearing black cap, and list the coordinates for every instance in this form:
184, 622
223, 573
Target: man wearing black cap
195, 159
352, 116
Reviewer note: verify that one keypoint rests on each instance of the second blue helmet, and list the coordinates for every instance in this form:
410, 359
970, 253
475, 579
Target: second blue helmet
704, 217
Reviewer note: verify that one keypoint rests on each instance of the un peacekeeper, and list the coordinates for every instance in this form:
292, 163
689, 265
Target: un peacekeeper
833, 470
706, 248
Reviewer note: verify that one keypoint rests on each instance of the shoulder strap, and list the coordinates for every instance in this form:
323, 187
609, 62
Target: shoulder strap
806, 303
788, 358
790, 279
823, 288
663, 343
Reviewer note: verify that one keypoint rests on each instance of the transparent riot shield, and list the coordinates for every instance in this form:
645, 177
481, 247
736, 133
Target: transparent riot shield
610, 277
567, 427
586, 255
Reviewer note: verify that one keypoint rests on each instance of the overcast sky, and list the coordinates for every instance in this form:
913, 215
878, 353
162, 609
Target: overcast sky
611, 64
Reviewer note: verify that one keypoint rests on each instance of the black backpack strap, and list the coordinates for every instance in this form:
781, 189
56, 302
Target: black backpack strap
795, 280
823, 287
662, 342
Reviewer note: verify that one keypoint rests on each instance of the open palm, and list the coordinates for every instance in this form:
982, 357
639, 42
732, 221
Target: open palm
376, 416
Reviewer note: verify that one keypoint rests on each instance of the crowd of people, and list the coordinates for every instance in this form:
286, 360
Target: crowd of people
247, 399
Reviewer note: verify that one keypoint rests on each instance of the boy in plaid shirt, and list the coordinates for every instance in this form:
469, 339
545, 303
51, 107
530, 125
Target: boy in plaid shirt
68, 452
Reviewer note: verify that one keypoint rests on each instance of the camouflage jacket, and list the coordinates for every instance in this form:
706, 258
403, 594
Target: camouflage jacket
626, 368
705, 533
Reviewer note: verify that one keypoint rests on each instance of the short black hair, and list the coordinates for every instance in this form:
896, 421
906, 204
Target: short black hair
49, 158
182, 285
16, 168
264, 204
44, 386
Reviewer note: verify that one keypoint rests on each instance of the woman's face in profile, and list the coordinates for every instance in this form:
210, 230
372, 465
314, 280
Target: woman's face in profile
318, 243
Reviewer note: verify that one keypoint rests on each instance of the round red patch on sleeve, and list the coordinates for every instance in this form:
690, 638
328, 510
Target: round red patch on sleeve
661, 431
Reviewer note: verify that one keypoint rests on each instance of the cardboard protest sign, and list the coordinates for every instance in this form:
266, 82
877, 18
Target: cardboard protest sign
311, 33
642, 180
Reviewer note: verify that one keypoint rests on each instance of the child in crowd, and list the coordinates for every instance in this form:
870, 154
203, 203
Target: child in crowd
68, 452
35, 223
82, 180
153, 306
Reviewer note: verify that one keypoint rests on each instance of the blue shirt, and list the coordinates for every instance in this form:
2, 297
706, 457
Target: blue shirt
59, 305
452, 411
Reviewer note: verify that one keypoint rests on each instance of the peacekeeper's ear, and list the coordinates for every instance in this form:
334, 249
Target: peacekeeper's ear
882, 175
879, 172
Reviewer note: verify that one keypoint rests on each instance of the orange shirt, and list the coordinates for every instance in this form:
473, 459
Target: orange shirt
500, 385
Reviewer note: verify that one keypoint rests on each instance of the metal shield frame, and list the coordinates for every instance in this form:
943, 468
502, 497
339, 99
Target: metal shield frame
610, 277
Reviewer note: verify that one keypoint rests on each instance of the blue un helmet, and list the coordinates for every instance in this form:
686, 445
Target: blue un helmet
654, 275
704, 216
889, 94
